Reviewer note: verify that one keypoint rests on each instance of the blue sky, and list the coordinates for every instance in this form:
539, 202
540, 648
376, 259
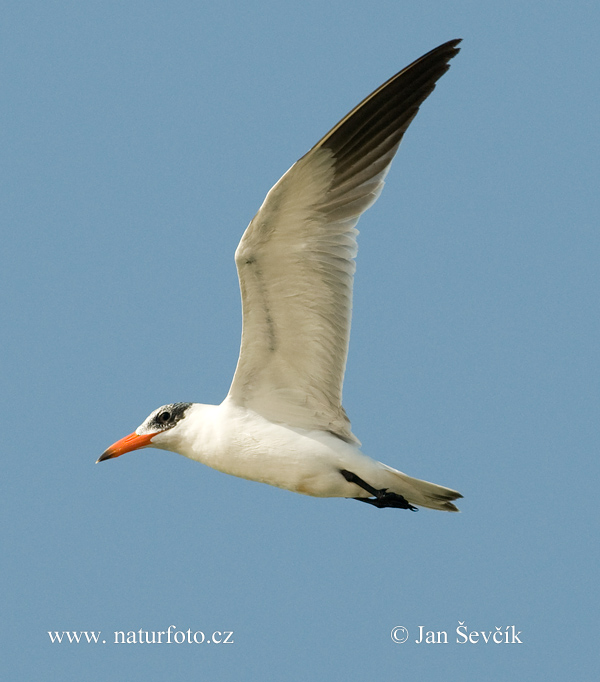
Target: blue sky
138, 140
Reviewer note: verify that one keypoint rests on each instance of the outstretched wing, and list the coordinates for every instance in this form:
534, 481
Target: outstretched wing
296, 264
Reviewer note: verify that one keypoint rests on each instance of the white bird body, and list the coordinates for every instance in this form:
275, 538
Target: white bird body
282, 422
242, 443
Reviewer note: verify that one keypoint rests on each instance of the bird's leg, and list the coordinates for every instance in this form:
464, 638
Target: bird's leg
382, 497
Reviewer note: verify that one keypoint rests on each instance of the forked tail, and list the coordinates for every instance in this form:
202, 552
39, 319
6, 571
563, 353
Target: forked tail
421, 493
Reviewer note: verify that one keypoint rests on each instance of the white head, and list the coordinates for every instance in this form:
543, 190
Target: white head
165, 420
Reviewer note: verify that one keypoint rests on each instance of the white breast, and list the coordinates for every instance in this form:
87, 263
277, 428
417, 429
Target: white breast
242, 443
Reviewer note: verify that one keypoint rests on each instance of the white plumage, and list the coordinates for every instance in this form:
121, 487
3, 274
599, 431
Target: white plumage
282, 422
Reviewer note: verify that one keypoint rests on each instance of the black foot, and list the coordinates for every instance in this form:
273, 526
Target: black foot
382, 497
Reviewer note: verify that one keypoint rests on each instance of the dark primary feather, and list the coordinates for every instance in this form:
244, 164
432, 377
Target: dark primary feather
378, 123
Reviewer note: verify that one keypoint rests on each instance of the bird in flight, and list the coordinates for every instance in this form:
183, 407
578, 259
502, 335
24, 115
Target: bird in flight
282, 422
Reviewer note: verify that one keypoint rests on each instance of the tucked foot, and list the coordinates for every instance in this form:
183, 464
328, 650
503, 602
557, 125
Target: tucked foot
383, 498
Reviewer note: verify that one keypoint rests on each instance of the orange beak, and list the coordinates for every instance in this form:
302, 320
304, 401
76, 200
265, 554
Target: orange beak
127, 444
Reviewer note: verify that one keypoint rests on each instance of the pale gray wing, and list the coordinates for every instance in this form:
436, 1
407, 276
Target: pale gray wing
296, 258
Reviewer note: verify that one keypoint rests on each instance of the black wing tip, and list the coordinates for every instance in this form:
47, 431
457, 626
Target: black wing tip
383, 117
446, 51
451, 45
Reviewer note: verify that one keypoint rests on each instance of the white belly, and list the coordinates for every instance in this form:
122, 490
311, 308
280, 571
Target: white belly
239, 442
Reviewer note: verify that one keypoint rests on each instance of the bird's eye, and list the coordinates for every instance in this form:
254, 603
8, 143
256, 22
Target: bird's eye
164, 417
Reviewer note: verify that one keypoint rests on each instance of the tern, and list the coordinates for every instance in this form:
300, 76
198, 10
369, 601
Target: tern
282, 422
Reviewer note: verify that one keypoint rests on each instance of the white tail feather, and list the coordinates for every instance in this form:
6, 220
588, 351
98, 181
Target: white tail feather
421, 493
